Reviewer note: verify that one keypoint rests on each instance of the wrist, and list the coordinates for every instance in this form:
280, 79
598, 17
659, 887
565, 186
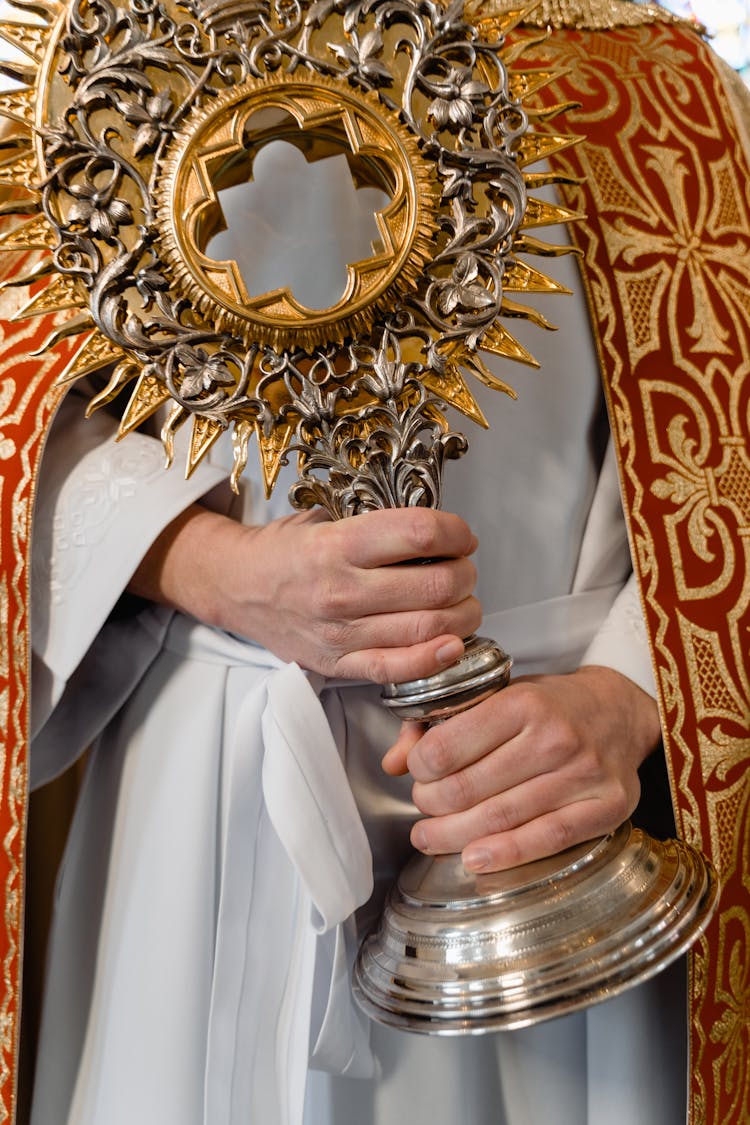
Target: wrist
183, 566
637, 709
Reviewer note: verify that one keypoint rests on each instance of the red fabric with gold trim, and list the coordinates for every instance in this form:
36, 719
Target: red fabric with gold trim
666, 248
27, 405
667, 252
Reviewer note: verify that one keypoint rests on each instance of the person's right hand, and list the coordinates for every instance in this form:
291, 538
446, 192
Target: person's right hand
324, 593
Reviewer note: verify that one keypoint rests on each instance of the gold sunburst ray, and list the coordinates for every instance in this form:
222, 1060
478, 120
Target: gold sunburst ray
524, 84
451, 386
273, 445
542, 213
47, 10
148, 396
35, 234
473, 362
74, 326
18, 172
550, 112
527, 244
96, 352
242, 432
499, 23
521, 277
204, 434
17, 71
512, 309
124, 372
13, 143
42, 269
19, 105
516, 51
30, 38
19, 169
536, 180
19, 207
498, 341
540, 146
61, 293
177, 416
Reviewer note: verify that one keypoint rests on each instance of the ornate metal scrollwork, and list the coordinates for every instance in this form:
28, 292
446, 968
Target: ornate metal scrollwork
141, 115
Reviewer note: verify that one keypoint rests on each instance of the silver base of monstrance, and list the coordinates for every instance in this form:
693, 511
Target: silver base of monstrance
458, 953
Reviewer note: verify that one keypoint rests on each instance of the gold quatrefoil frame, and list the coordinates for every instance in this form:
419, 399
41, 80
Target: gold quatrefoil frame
129, 121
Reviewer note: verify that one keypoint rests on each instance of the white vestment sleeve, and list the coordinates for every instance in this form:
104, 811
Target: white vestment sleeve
621, 641
99, 507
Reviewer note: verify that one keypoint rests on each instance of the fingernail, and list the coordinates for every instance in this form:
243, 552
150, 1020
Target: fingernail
476, 859
450, 652
419, 838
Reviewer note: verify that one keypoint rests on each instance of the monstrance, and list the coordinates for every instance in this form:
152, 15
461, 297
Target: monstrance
126, 125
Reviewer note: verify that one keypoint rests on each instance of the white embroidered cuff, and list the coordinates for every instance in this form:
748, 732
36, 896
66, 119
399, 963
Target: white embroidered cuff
622, 642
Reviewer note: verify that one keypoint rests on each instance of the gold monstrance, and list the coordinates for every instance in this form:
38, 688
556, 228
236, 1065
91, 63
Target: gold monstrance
127, 123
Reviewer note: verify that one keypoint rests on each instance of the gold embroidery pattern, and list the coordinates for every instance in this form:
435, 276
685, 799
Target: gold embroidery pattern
729, 1032
667, 262
717, 695
589, 14
26, 408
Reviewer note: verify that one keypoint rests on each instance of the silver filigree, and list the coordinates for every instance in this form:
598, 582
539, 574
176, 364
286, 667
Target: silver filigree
101, 181
389, 455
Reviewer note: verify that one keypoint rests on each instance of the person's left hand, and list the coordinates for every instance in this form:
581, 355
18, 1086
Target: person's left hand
546, 763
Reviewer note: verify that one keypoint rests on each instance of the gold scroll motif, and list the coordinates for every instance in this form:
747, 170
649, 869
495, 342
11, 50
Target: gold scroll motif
667, 257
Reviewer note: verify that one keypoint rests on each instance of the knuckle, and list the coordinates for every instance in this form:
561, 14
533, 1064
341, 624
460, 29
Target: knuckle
499, 815
632, 794
324, 546
527, 699
424, 798
471, 616
459, 791
326, 597
567, 736
430, 624
375, 668
512, 852
559, 835
336, 635
561, 743
438, 585
437, 754
327, 665
424, 627
423, 531
622, 800
469, 574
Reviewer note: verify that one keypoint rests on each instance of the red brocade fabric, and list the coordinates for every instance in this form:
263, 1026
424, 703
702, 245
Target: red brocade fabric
666, 263
27, 404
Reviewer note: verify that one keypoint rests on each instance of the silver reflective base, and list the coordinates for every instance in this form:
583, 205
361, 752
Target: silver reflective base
462, 954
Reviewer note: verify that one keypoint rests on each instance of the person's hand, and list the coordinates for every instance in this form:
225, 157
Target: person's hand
546, 763
323, 593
